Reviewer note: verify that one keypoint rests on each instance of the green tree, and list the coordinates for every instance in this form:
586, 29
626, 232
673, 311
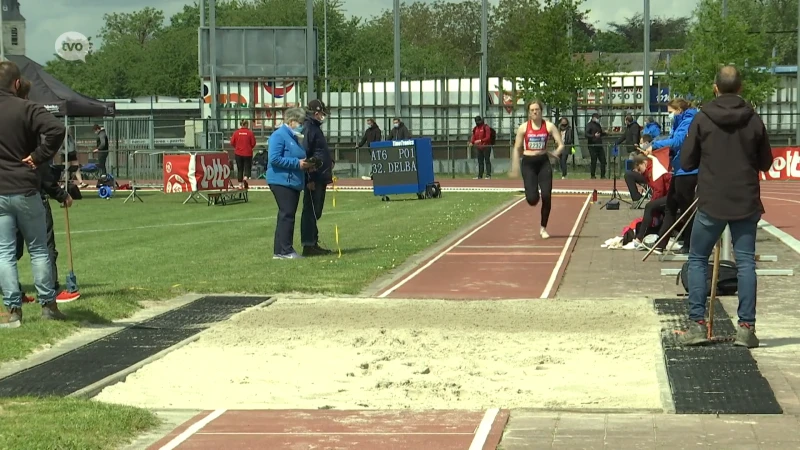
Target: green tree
628, 36
713, 41
551, 72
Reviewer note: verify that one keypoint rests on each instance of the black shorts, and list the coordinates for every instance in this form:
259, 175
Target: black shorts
72, 156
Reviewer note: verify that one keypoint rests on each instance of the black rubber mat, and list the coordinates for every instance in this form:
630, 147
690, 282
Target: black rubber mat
92, 362
715, 378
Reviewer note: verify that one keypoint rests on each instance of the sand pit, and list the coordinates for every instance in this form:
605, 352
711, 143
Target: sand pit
381, 354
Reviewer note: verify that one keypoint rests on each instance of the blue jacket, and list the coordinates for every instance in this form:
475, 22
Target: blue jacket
680, 128
283, 161
315, 144
653, 129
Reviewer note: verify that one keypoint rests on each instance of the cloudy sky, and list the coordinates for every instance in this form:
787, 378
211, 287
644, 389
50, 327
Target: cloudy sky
47, 19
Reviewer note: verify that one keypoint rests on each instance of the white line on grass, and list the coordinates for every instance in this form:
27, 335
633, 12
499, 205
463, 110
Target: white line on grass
441, 254
553, 276
194, 428
485, 427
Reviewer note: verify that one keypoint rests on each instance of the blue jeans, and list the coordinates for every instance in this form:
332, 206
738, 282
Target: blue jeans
706, 232
27, 214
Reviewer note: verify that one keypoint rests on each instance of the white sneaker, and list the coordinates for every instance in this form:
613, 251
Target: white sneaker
543, 233
365, 178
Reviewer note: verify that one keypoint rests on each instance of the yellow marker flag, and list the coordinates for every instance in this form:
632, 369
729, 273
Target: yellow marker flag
336, 226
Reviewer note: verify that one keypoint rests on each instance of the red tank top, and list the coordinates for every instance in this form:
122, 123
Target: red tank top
536, 140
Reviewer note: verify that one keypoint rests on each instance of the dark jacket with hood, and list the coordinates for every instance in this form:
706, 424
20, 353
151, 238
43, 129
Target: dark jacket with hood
49, 184
631, 136
400, 133
373, 134
316, 145
592, 128
24, 125
728, 143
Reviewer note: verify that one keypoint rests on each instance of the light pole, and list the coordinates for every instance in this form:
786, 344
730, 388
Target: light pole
325, 28
484, 72
311, 46
397, 90
646, 62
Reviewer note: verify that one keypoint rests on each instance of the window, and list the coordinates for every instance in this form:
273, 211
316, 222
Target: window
14, 37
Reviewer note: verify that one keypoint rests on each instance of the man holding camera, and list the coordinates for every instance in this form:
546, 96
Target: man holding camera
317, 180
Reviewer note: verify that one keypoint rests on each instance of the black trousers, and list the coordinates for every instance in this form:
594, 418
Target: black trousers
652, 210
313, 203
484, 160
632, 180
537, 173
679, 199
287, 200
563, 159
51, 244
102, 157
245, 166
597, 154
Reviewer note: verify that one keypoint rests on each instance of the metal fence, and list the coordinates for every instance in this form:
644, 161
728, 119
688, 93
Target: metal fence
441, 108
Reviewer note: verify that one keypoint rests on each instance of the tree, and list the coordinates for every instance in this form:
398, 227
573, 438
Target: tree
628, 36
552, 73
713, 41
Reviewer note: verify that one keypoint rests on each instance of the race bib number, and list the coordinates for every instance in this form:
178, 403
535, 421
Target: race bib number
535, 143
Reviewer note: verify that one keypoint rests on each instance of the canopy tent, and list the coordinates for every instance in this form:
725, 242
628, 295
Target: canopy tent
57, 97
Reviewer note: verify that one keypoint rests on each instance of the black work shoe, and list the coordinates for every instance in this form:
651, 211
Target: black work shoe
50, 311
314, 250
695, 334
746, 336
13, 320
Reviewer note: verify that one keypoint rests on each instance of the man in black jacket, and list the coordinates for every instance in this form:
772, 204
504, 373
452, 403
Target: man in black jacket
728, 142
399, 130
373, 134
631, 136
24, 123
317, 181
102, 148
594, 138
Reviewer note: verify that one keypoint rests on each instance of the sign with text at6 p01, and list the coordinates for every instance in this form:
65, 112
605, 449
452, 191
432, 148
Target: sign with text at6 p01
401, 167
192, 172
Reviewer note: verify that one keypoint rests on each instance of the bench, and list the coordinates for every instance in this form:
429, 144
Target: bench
227, 197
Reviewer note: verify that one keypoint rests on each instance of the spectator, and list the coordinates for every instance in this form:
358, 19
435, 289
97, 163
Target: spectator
594, 137
729, 142
30, 137
102, 148
243, 142
568, 136
652, 128
286, 179
399, 130
482, 139
684, 182
631, 135
655, 208
372, 134
317, 181
72, 159
635, 178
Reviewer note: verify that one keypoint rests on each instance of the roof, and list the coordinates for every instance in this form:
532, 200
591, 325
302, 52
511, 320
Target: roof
11, 11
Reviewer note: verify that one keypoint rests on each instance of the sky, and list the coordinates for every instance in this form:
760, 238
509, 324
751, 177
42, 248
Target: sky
47, 19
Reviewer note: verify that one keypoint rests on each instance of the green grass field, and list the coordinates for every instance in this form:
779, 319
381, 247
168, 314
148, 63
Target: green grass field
159, 249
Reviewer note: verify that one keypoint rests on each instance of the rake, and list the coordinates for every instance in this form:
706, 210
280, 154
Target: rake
688, 214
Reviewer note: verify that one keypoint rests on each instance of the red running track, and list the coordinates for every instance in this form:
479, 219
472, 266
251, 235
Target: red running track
338, 430
501, 258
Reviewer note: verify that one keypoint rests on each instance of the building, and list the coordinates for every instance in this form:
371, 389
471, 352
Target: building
13, 28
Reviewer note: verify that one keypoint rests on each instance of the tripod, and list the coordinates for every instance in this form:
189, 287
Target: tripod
615, 197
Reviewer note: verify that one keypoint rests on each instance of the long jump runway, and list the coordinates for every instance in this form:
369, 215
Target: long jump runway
501, 258
338, 430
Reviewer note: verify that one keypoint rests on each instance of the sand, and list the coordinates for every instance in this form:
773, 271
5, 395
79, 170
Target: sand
381, 354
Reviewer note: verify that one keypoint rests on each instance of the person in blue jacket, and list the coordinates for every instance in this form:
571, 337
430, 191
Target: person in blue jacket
682, 189
286, 177
652, 128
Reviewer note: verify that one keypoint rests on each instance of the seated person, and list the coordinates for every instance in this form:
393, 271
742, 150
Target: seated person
633, 178
643, 166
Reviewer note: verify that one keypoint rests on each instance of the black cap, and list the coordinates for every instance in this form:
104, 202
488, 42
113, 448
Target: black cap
478, 119
316, 106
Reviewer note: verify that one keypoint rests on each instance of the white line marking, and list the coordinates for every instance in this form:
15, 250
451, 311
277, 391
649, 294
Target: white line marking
399, 433
441, 254
788, 240
485, 427
552, 281
204, 222
781, 199
197, 426
511, 246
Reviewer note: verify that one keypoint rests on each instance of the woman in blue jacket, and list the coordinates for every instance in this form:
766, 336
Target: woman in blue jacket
286, 166
682, 188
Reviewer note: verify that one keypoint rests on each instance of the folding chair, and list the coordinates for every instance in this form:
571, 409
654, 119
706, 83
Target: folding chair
646, 194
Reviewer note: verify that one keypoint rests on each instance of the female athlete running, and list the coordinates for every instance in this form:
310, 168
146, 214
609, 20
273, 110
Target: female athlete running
537, 173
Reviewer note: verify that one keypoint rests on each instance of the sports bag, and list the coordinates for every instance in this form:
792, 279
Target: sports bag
727, 284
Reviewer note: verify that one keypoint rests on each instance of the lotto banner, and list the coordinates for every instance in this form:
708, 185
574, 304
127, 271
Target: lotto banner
785, 164
192, 172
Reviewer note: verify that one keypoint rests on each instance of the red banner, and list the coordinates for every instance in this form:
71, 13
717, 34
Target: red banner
192, 172
785, 164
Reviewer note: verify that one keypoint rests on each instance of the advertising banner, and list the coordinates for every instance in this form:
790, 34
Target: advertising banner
193, 172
